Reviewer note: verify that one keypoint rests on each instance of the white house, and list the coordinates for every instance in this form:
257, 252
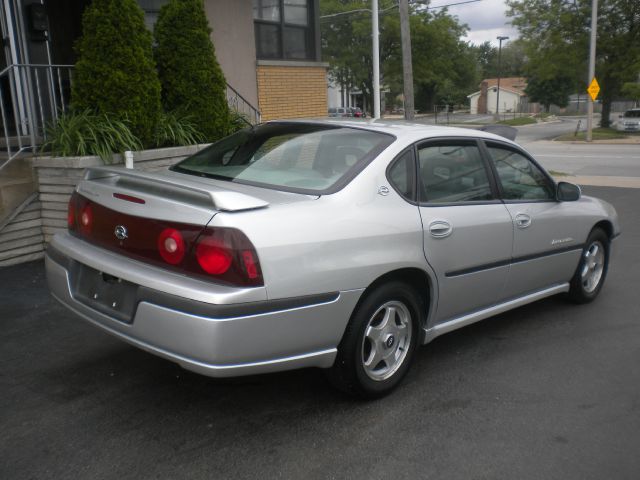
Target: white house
512, 96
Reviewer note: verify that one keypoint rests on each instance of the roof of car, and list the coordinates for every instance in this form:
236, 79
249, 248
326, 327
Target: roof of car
402, 129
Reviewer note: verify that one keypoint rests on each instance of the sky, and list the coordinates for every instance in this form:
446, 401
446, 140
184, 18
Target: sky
486, 19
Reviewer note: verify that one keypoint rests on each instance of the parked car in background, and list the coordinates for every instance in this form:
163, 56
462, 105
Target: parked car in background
357, 112
338, 112
629, 121
339, 245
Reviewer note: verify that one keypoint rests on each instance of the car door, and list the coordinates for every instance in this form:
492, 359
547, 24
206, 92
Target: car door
467, 230
546, 247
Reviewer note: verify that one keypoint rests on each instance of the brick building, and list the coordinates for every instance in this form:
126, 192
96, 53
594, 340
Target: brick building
269, 51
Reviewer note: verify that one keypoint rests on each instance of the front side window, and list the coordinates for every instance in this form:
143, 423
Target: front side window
452, 172
520, 178
283, 29
292, 157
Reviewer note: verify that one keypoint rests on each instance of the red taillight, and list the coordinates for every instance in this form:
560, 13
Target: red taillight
250, 264
171, 246
219, 254
71, 213
213, 256
86, 219
129, 198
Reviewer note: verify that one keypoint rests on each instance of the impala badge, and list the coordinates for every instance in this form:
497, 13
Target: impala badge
560, 241
121, 232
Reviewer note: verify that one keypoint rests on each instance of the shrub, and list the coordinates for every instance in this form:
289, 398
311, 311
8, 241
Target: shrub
238, 121
192, 80
85, 133
115, 74
175, 129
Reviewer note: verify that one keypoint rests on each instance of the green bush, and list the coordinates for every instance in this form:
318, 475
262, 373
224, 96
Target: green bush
192, 80
85, 133
174, 129
238, 121
115, 74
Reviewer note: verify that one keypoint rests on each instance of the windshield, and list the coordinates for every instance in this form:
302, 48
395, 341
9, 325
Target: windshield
303, 158
632, 114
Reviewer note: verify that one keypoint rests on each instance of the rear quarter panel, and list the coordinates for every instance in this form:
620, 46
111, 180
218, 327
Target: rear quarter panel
342, 241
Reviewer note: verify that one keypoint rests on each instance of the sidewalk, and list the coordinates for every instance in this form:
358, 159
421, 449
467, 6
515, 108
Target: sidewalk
630, 140
600, 181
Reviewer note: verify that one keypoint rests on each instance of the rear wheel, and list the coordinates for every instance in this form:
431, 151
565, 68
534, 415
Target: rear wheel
592, 269
379, 342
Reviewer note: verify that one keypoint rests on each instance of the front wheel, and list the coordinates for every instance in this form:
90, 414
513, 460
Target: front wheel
592, 269
379, 342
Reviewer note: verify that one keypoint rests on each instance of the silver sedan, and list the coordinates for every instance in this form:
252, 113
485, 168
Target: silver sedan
324, 244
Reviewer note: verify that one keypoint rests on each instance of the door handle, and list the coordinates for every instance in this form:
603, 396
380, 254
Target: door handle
440, 228
523, 220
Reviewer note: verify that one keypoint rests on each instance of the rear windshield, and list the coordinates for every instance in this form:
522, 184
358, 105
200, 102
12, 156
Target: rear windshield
632, 114
301, 158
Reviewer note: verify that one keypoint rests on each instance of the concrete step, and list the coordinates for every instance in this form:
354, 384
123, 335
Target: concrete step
17, 183
19, 167
13, 195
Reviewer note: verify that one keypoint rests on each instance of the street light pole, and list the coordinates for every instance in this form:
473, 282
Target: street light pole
376, 59
592, 65
500, 39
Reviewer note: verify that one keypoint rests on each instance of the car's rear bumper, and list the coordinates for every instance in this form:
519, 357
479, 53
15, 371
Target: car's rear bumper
215, 339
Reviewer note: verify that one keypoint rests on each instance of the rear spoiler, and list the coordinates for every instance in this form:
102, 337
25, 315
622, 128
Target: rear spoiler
505, 131
188, 190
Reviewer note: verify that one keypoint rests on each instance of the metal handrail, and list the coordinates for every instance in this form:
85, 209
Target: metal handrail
39, 93
36, 97
244, 106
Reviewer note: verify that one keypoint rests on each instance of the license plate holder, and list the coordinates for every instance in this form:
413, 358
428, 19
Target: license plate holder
105, 293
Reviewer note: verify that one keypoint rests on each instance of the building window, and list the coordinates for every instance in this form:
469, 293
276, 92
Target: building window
151, 10
284, 29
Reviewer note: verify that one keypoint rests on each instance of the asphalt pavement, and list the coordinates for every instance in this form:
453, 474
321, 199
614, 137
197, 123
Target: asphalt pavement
548, 391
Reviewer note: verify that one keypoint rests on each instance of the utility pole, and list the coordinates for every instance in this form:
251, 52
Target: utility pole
407, 67
500, 39
376, 59
592, 65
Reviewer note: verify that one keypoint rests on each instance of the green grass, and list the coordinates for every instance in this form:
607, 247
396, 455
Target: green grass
515, 122
543, 115
597, 134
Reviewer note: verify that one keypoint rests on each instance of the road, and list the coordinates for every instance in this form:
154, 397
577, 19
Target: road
551, 390
582, 159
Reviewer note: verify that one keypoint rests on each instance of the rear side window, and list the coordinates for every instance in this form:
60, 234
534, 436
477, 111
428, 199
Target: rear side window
452, 172
304, 158
520, 178
401, 174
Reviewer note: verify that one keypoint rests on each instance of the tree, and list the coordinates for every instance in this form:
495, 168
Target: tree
444, 67
512, 59
115, 73
192, 80
632, 90
547, 91
556, 38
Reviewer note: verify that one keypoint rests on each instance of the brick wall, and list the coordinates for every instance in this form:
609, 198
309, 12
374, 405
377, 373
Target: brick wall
292, 91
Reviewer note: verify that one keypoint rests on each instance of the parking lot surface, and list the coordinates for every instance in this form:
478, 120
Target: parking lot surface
548, 391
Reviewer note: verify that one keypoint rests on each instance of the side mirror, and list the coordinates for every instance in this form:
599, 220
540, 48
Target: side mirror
620, 116
567, 192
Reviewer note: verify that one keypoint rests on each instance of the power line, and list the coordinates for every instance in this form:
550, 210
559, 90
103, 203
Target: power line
368, 10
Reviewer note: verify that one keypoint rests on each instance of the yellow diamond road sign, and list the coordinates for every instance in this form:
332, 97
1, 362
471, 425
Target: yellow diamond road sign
594, 89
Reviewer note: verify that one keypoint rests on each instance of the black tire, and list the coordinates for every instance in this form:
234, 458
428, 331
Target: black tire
349, 372
583, 288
